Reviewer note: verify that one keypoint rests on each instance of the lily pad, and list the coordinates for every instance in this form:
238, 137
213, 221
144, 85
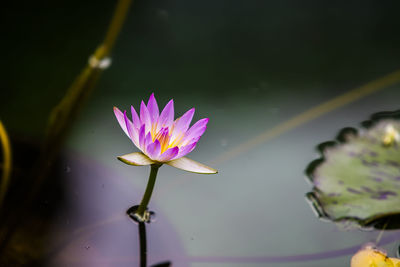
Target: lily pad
358, 177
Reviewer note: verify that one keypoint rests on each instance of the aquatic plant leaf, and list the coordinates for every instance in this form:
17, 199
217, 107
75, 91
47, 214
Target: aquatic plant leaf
190, 165
370, 256
358, 179
136, 159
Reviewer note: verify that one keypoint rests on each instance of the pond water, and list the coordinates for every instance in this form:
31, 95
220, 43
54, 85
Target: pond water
252, 212
248, 66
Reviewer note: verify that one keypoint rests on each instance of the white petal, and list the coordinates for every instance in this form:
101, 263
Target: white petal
136, 159
189, 165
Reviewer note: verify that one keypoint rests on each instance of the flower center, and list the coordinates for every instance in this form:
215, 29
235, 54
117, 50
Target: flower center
164, 137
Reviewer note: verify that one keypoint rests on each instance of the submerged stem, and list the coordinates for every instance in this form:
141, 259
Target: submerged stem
142, 244
141, 211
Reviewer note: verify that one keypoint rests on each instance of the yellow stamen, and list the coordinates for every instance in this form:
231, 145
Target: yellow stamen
163, 137
153, 131
176, 141
164, 141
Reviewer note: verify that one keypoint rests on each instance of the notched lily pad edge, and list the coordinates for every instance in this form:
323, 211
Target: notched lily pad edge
377, 117
344, 135
387, 221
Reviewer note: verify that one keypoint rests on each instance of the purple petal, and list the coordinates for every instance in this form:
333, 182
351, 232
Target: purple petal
135, 118
169, 154
182, 123
142, 137
167, 115
163, 137
153, 108
191, 141
133, 135
121, 120
186, 150
196, 130
145, 116
153, 150
148, 140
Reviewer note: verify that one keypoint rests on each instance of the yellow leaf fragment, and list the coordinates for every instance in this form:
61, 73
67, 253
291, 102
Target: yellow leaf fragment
372, 257
391, 136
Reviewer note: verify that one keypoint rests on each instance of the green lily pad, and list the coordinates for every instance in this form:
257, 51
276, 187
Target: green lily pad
358, 177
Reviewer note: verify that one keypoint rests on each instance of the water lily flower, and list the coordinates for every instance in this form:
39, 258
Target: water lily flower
161, 138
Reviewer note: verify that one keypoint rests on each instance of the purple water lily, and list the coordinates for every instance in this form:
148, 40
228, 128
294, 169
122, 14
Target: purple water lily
161, 138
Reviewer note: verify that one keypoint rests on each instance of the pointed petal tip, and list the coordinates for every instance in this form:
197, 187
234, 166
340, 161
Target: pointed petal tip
116, 110
121, 118
152, 106
191, 111
151, 98
190, 165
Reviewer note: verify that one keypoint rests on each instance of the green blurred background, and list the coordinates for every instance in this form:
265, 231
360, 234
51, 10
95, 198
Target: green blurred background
246, 65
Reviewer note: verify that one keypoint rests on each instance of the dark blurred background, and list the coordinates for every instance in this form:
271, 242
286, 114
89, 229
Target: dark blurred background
216, 47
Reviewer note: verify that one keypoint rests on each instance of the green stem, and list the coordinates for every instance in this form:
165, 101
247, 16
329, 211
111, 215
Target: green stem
149, 190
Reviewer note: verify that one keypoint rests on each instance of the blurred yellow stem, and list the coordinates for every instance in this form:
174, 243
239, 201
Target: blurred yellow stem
5, 142
116, 24
64, 113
